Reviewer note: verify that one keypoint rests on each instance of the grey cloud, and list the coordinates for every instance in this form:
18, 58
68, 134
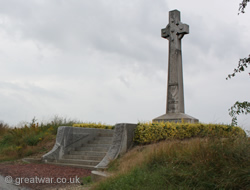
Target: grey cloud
14, 89
89, 58
110, 27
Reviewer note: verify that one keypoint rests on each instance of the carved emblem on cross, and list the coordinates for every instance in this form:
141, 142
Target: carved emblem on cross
175, 30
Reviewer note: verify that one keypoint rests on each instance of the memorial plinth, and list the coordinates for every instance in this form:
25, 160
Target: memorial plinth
176, 117
174, 32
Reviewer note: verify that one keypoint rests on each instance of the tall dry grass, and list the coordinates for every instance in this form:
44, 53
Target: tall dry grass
3, 128
142, 155
30, 138
210, 163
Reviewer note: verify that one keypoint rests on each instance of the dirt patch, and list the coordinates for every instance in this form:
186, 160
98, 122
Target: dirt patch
45, 176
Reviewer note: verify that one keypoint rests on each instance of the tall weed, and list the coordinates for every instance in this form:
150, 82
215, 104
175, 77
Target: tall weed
208, 163
17, 142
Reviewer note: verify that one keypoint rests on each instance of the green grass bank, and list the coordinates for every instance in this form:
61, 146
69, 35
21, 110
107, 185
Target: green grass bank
208, 163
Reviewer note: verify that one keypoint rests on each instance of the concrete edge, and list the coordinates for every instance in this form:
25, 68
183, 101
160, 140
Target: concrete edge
98, 175
32, 160
122, 141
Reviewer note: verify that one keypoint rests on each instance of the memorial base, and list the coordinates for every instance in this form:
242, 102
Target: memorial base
176, 117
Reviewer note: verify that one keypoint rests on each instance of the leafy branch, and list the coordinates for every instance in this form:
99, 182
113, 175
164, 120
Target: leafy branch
238, 108
243, 64
243, 5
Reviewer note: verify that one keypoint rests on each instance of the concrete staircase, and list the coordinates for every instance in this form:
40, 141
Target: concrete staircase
88, 155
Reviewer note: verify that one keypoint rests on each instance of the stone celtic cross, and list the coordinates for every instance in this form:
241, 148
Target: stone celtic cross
174, 32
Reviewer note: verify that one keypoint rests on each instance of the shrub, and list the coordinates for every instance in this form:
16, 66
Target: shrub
3, 128
33, 140
94, 125
156, 131
23, 141
7, 138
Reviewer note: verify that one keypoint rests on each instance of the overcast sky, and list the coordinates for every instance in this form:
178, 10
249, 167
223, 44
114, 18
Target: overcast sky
105, 60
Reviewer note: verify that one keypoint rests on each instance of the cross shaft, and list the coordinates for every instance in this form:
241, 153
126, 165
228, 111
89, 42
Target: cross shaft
174, 32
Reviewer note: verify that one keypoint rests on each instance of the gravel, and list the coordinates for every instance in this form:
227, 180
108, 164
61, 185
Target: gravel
48, 172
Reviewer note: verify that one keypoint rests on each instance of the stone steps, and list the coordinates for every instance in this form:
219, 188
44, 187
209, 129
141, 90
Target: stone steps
81, 157
82, 162
89, 155
97, 149
103, 138
96, 145
106, 135
101, 142
73, 165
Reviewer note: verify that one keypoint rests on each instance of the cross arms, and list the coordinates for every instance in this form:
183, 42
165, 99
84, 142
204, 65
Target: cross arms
175, 28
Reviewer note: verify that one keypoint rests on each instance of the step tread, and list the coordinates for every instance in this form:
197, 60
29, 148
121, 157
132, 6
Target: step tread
81, 152
100, 142
107, 131
88, 155
82, 155
86, 151
104, 138
73, 165
97, 158
94, 149
106, 135
78, 160
96, 144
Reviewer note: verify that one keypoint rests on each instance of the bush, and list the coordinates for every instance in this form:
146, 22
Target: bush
8, 138
3, 128
94, 125
33, 140
18, 142
153, 132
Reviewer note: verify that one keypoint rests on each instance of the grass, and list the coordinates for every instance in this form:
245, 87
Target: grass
30, 139
34, 139
209, 163
86, 180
